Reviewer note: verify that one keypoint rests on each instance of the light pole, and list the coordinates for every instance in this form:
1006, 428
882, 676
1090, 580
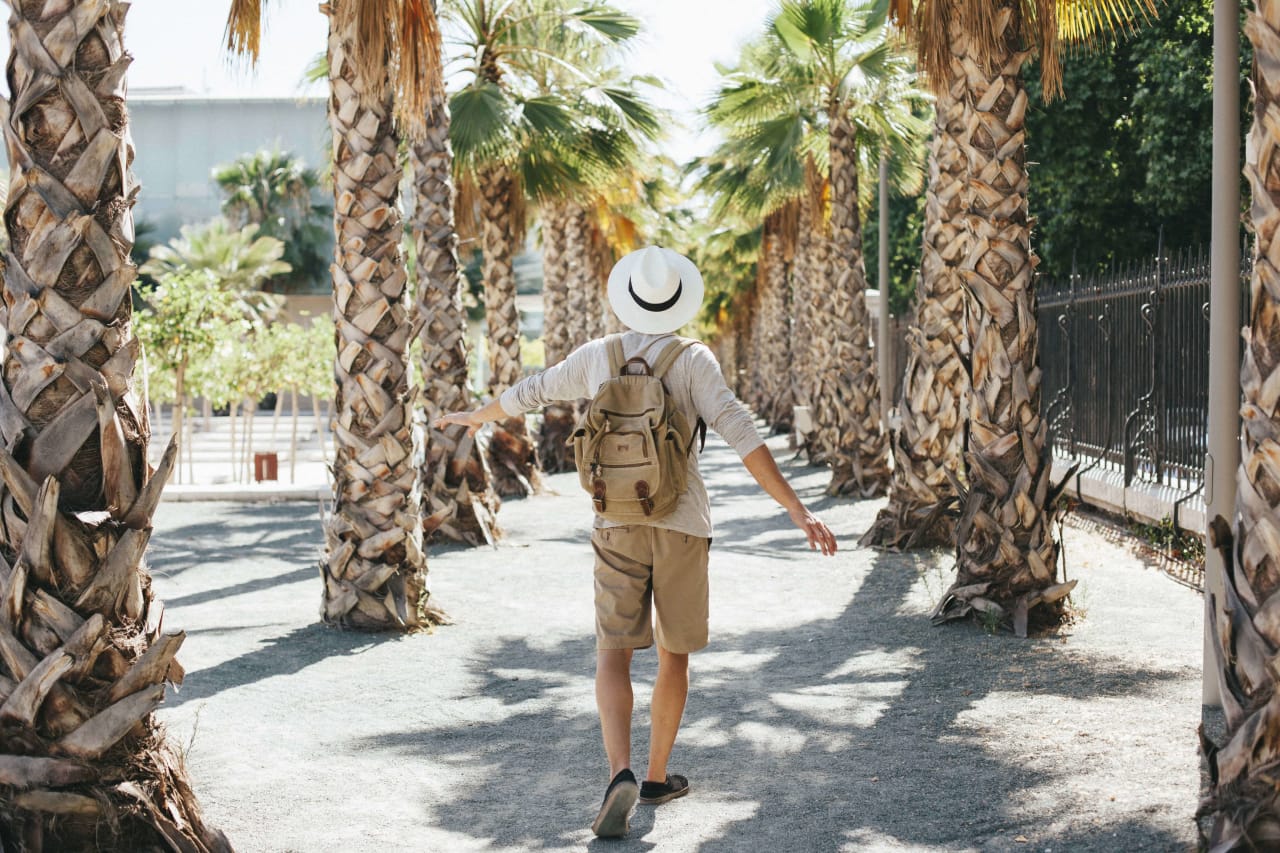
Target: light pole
1223, 457
886, 379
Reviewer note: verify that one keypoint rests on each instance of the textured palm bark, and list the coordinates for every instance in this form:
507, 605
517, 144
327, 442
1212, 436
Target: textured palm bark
83, 659
847, 405
597, 294
581, 278
557, 419
458, 502
512, 454
1243, 798
1007, 558
929, 443
811, 274
555, 282
373, 568
754, 379
775, 340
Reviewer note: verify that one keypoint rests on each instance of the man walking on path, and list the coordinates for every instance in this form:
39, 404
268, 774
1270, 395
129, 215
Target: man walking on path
657, 565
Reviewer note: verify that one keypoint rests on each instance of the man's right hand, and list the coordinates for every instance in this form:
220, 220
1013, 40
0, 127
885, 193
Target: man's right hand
820, 536
466, 419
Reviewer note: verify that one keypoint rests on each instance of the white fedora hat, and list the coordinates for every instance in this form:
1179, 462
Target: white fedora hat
655, 290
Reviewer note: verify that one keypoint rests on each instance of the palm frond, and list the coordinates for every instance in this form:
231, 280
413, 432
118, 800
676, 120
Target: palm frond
613, 24
244, 29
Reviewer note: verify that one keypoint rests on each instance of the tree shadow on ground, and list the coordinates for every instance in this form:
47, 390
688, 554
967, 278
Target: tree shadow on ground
787, 750
244, 588
284, 655
279, 532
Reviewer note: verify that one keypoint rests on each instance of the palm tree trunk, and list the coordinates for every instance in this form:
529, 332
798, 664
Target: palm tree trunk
374, 571
775, 347
811, 282
597, 283
555, 299
511, 451
83, 659
565, 328
928, 446
458, 502
579, 276
847, 406
1007, 559
1243, 799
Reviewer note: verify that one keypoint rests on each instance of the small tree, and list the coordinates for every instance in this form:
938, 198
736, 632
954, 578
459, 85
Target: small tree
179, 324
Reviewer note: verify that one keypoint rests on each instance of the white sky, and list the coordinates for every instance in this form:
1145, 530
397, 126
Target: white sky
179, 43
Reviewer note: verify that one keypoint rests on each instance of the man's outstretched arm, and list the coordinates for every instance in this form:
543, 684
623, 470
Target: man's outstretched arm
762, 466
473, 420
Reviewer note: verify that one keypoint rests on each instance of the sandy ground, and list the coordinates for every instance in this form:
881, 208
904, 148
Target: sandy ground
827, 715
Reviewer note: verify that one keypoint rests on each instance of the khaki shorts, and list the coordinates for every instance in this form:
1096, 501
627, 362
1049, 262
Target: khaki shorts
640, 569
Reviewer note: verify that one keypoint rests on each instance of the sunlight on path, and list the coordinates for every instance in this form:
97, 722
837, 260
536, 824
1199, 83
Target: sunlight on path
826, 715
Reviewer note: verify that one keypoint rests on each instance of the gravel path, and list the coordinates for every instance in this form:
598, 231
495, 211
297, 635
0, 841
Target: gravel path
827, 714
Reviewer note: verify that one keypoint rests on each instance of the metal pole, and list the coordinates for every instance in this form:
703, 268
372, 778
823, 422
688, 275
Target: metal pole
884, 346
1223, 457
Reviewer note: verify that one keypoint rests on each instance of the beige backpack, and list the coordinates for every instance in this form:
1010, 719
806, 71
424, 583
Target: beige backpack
631, 446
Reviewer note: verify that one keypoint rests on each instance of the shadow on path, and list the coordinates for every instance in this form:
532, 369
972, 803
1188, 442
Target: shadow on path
283, 655
842, 733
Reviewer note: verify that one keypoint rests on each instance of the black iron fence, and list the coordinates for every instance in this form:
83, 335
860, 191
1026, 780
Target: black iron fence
1125, 357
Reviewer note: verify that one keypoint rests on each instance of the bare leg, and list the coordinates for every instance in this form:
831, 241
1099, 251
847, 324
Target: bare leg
669, 694
614, 701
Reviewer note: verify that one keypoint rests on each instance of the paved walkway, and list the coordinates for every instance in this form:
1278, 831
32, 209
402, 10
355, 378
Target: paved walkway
827, 715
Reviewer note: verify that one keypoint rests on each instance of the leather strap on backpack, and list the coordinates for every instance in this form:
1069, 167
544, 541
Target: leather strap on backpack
669, 356
663, 364
617, 358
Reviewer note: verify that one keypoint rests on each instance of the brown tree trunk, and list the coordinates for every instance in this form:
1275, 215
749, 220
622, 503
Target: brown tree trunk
511, 451
555, 284
374, 570
928, 445
847, 405
1007, 559
83, 658
775, 353
458, 502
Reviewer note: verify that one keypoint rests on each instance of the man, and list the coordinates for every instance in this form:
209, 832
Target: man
658, 565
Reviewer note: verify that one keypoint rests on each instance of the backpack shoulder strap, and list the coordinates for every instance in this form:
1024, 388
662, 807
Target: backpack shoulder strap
617, 359
670, 354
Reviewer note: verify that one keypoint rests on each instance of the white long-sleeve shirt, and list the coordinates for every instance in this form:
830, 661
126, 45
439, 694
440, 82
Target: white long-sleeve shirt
695, 383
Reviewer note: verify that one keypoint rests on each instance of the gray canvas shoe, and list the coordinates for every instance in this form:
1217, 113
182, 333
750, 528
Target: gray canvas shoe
614, 819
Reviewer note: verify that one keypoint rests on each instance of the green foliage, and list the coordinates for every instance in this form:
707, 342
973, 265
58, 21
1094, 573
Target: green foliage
180, 324
238, 261
274, 191
1171, 540
1128, 149
548, 94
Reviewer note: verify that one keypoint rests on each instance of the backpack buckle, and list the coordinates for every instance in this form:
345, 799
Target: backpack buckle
642, 492
597, 494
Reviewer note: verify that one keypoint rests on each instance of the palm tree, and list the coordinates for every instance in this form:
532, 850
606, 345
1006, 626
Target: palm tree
458, 501
1242, 799
1007, 558
382, 70
825, 89
273, 189
842, 52
83, 658
239, 260
514, 137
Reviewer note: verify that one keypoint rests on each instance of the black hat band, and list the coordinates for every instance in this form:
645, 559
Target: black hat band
655, 307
